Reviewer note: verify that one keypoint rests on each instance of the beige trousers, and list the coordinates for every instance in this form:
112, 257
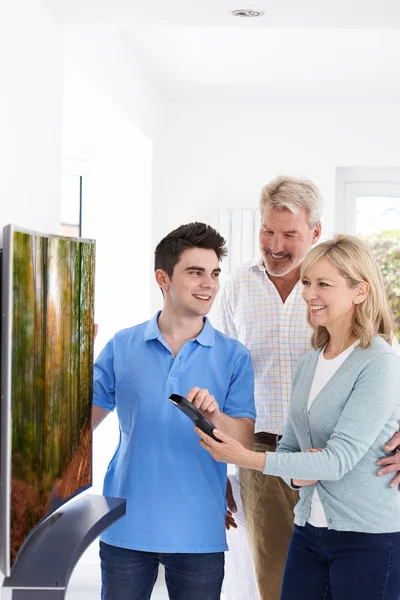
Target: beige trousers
268, 505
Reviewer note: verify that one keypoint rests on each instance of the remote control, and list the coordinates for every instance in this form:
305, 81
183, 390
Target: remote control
194, 414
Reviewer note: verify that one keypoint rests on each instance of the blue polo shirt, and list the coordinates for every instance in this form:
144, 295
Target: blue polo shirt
175, 491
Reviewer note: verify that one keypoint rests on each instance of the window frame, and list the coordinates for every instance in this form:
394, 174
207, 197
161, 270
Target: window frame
357, 182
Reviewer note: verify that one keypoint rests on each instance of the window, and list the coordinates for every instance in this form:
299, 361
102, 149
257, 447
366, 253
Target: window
370, 208
240, 228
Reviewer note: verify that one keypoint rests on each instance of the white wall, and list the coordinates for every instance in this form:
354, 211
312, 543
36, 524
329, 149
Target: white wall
116, 160
30, 116
117, 69
219, 155
116, 154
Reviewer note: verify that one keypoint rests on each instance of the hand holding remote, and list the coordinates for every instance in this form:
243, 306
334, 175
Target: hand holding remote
204, 401
194, 414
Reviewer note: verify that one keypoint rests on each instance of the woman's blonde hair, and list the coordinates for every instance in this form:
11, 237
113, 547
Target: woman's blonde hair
356, 263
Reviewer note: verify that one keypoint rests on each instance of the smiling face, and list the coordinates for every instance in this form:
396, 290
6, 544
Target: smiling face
285, 239
330, 300
191, 290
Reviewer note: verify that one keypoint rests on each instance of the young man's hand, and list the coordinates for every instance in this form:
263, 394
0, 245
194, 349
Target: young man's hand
230, 521
202, 399
391, 463
232, 508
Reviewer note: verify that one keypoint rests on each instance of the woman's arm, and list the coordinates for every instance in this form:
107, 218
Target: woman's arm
369, 407
289, 441
367, 410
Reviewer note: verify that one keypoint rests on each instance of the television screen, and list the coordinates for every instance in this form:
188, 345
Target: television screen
46, 372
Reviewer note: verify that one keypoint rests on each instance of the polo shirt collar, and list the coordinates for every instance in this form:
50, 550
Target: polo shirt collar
205, 338
152, 331
207, 334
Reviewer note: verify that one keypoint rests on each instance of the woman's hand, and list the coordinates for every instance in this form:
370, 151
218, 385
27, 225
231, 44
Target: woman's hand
229, 450
303, 482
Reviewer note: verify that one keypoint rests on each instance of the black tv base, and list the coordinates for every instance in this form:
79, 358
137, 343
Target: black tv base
46, 560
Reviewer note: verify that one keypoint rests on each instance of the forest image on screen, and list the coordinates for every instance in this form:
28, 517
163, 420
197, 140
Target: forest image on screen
51, 385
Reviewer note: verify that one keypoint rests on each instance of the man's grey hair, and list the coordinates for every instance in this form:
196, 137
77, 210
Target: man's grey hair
293, 194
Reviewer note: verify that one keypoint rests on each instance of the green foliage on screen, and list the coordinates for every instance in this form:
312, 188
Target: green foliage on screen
51, 389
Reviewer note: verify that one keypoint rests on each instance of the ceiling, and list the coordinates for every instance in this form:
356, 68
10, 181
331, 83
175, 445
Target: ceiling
195, 49
202, 62
337, 14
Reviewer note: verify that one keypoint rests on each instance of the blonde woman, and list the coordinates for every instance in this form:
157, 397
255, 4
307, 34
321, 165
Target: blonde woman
345, 405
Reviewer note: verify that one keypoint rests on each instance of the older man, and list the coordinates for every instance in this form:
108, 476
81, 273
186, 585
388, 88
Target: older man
262, 307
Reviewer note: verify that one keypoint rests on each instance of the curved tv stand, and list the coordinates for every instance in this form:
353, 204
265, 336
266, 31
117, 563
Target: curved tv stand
46, 560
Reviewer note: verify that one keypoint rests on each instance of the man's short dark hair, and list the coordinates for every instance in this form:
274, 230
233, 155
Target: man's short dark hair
192, 235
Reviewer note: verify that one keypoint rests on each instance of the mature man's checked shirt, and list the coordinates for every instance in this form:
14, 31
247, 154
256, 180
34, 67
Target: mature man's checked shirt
276, 333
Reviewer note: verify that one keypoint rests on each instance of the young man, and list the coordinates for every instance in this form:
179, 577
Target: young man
175, 492
262, 306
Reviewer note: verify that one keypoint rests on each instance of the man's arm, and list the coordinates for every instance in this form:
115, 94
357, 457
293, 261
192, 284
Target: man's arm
241, 429
238, 414
98, 415
103, 385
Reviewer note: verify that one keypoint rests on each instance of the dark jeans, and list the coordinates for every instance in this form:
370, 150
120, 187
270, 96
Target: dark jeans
323, 564
131, 574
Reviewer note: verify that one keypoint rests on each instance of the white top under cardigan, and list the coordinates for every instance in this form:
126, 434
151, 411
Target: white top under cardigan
323, 373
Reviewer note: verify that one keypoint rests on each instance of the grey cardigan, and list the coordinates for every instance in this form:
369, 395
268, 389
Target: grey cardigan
352, 418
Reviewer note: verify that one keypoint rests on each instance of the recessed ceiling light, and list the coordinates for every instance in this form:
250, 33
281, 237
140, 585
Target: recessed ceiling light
246, 12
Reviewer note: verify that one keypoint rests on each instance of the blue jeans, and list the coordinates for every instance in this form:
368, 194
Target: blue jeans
131, 574
324, 564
